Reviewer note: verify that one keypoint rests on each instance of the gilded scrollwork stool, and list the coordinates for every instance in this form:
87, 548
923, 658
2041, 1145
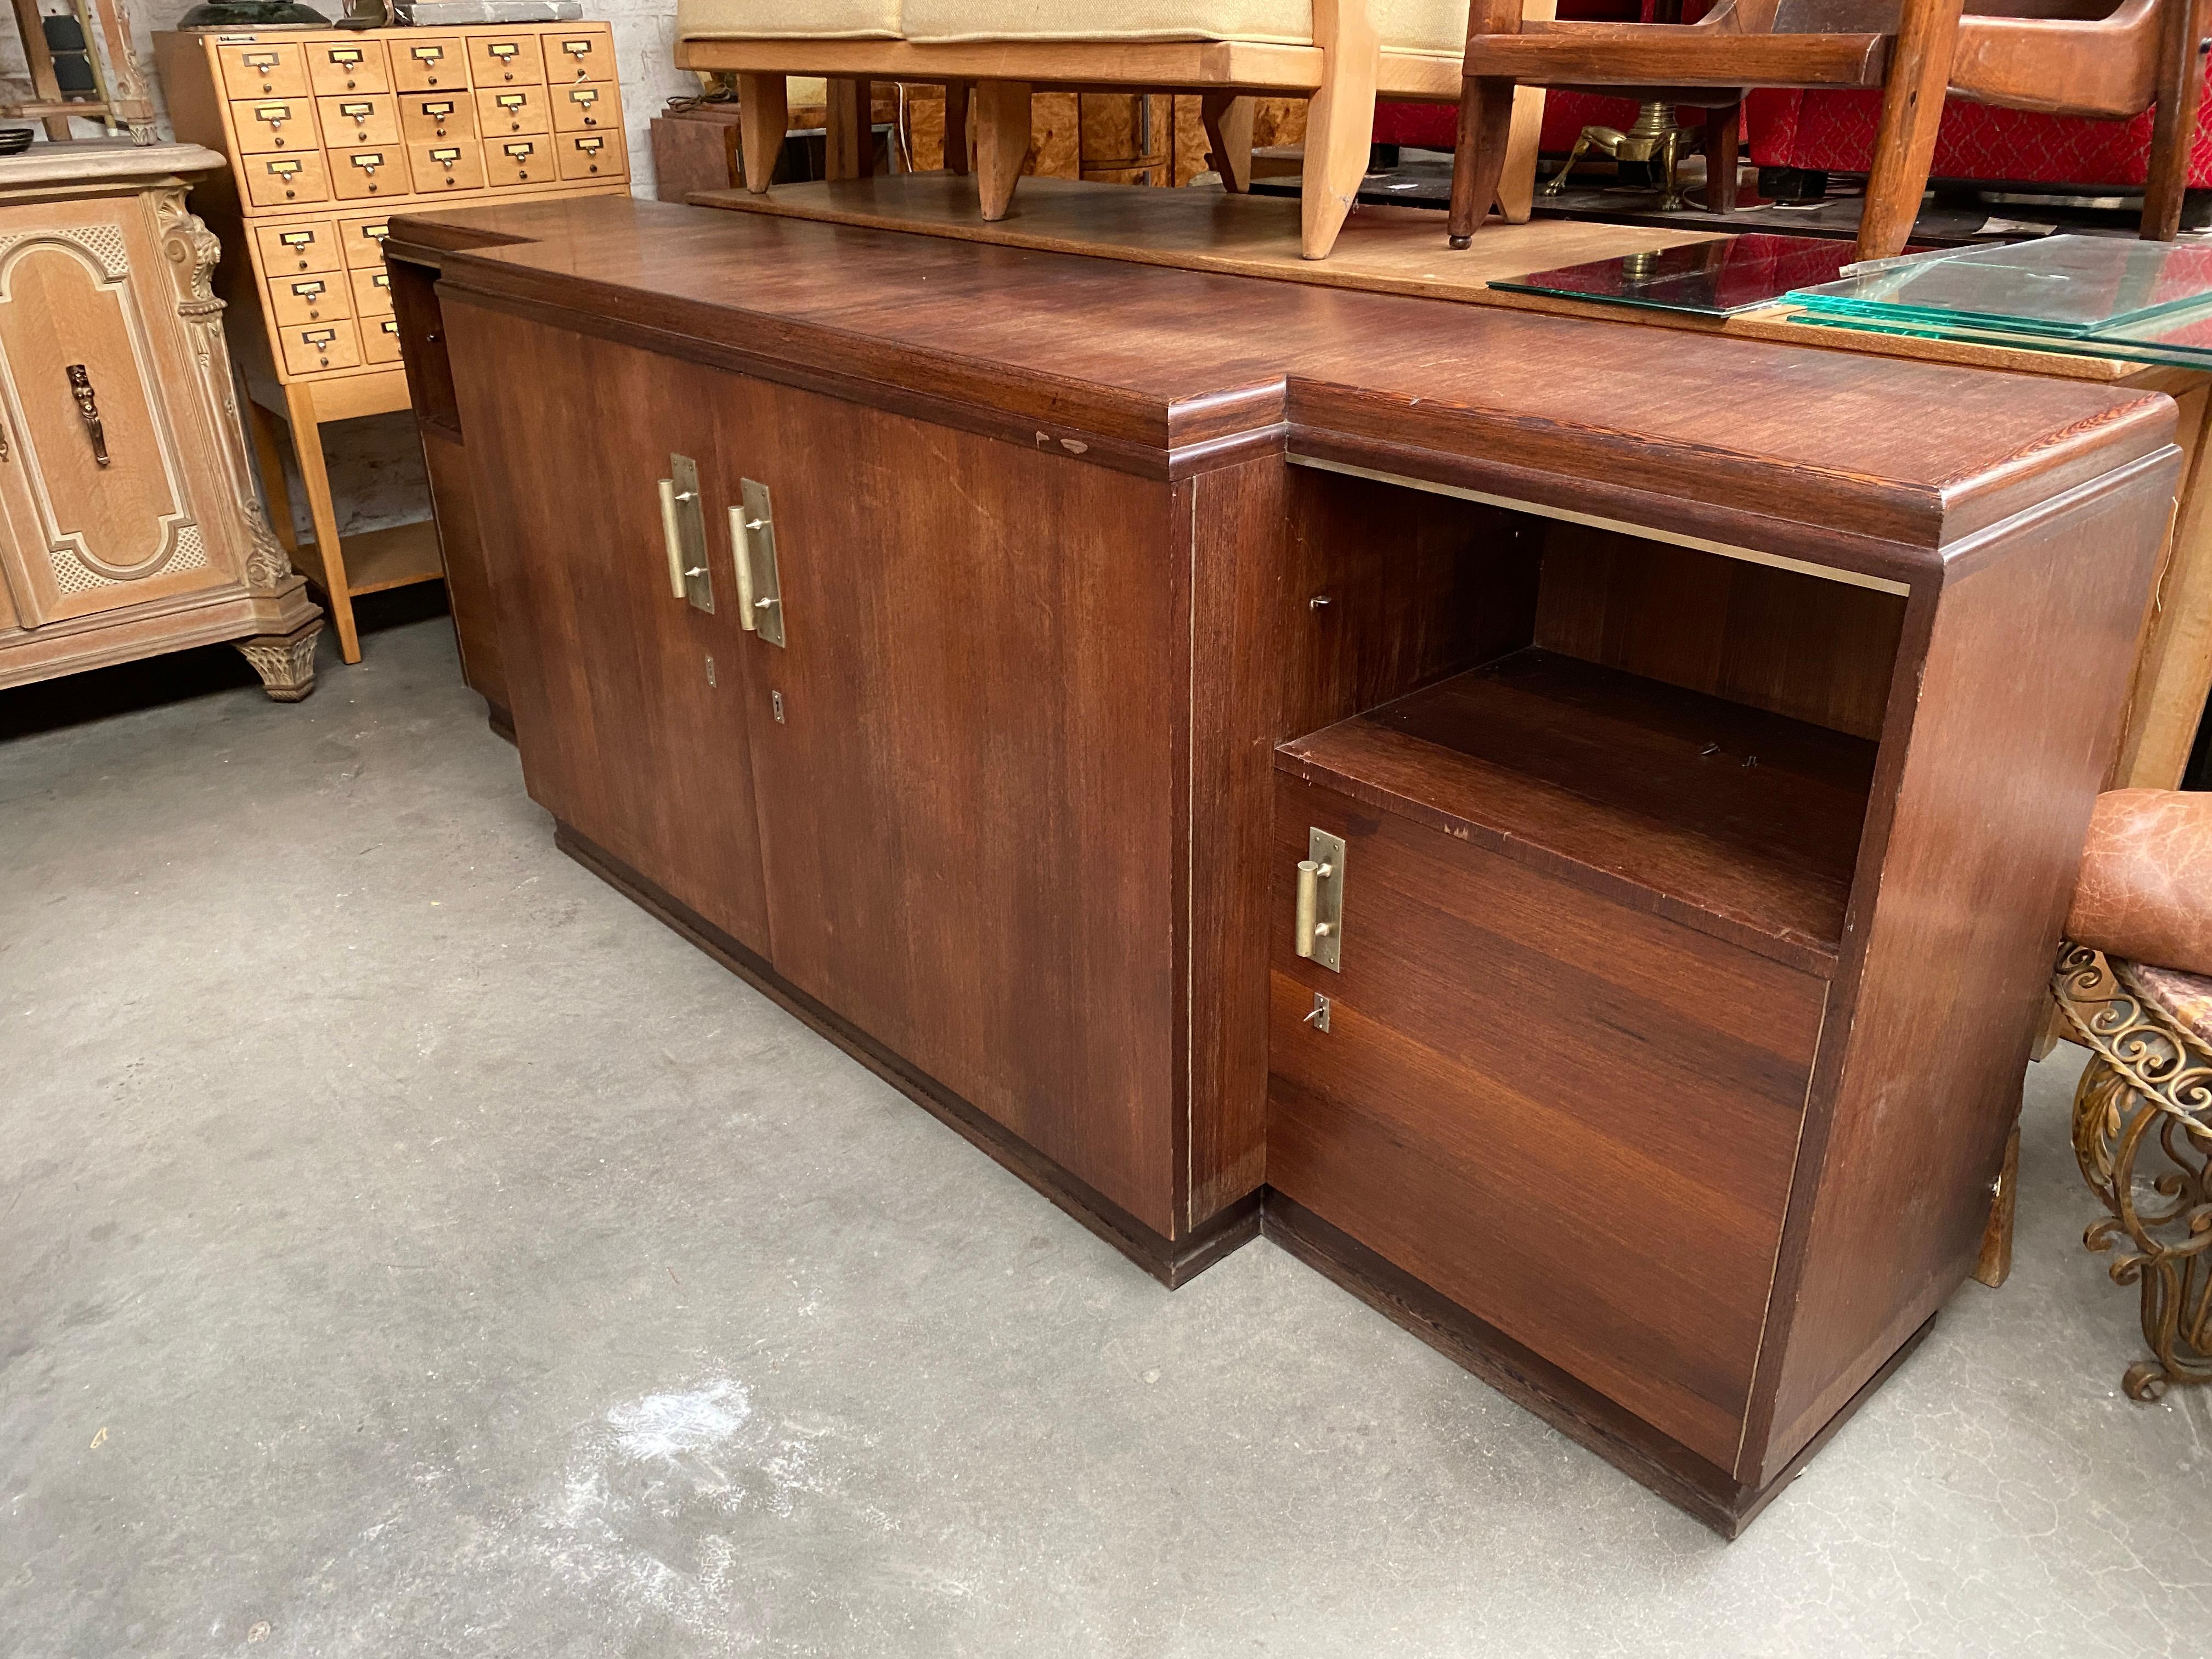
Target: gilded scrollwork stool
2134, 980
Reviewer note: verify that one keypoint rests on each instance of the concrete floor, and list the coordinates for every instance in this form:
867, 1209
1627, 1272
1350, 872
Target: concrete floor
409, 1248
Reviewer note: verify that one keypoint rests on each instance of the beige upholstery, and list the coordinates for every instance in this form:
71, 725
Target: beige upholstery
1438, 26
786, 19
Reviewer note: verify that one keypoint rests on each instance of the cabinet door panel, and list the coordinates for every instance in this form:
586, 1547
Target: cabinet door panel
973, 805
626, 734
94, 476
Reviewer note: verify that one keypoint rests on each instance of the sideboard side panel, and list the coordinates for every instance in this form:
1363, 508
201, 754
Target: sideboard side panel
2020, 698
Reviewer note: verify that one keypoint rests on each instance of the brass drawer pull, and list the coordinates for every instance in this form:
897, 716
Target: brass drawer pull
81, 388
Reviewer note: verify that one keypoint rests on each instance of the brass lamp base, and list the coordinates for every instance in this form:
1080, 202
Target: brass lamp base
1653, 136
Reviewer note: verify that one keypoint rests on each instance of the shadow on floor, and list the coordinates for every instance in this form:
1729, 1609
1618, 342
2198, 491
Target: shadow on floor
73, 699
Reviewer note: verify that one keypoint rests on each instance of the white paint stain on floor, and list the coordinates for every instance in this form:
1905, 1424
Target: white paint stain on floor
658, 1498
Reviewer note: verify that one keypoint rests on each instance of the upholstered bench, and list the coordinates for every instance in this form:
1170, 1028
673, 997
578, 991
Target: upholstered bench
1339, 54
2135, 980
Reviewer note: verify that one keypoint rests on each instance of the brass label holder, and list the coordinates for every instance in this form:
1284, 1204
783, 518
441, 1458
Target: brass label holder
1320, 933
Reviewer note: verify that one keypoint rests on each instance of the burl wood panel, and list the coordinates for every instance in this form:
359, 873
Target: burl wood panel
1574, 1120
624, 733
975, 822
2001, 743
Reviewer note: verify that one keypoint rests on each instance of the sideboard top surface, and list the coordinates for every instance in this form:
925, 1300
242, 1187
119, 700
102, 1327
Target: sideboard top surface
1746, 440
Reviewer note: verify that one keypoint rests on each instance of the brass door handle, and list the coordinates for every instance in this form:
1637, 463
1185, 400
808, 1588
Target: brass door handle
684, 527
1319, 934
81, 388
672, 532
752, 543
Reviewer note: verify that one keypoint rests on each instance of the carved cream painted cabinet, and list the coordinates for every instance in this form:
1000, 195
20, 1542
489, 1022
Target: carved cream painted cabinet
130, 524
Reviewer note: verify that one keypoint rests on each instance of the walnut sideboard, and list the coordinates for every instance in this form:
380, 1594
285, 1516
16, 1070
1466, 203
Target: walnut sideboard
128, 523
1568, 837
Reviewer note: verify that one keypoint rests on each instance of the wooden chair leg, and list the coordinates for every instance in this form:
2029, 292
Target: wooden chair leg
1340, 122
848, 144
1516, 180
1994, 1265
1228, 120
764, 116
1002, 143
1486, 123
2180, 85
1486, 130
1912, 109
1724, 140
956, 126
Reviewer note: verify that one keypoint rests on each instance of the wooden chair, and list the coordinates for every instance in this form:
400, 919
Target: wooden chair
2077, 58
991, 55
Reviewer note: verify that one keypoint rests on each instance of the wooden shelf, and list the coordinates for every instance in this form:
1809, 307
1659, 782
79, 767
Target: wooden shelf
1735, 822
398, 557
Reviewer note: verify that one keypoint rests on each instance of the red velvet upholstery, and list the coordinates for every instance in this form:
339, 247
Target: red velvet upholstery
1836, 129
1436, 127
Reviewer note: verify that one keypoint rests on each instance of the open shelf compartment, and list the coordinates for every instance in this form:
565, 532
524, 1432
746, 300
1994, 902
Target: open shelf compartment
1688, 733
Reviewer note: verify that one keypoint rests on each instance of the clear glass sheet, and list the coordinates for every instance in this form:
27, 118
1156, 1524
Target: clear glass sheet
1710, 279
2183, 341
2067, 286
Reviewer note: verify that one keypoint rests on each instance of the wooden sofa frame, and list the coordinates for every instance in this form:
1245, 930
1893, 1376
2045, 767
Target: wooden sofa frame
1342, 74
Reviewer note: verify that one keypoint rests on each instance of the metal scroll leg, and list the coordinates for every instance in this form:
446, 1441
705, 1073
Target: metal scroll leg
2160, 1220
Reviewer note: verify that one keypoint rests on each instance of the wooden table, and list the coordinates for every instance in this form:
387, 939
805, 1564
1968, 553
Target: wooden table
1570, 838
1401, 251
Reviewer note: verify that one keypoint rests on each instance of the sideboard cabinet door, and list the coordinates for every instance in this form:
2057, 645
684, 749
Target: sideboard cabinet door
969, 764
628, 703
96, 476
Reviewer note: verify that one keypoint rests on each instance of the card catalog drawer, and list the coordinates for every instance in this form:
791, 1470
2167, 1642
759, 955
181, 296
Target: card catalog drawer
506, 60
592, 155
314, 347
265, 125
436, 117
526, 161
371, 294
298, 301
361, 238
446, 165
572, 55
262, 70
431, 63
585, 109
368, 170
508, 111
380, 339
369, 118
275, 181
356, 66
292, 250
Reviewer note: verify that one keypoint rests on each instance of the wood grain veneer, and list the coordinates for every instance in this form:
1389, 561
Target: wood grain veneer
1664, 1087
